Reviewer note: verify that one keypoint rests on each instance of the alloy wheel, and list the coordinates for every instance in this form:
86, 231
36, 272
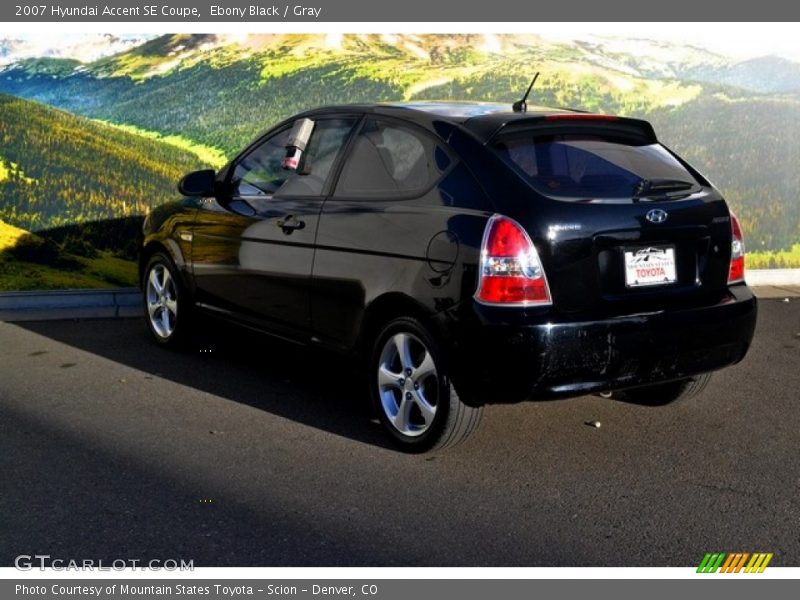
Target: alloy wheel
408, 384
162, 301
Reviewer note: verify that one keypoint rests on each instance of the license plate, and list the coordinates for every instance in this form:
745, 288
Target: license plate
650, 266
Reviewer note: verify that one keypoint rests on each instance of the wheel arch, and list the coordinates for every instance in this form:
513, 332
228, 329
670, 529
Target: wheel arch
461, 415
168, 247
387, 307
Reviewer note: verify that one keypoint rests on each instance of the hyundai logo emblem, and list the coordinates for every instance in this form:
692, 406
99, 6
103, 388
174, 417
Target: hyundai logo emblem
656, 215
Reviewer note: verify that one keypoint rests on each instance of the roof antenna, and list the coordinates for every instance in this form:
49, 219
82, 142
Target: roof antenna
520, 105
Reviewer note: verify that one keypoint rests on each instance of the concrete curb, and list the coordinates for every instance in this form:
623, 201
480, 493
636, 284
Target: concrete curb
70, 304
126, 302
759, 277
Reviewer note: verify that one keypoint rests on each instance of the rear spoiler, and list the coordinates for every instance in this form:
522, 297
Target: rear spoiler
579, 123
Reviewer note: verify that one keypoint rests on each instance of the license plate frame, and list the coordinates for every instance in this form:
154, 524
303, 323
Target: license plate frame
650, 266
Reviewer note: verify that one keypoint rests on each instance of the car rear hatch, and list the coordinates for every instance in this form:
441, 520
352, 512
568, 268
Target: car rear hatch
620, 222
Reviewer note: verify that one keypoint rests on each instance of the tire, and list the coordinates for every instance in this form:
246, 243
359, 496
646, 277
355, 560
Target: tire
665, 393
165, 302
412, 393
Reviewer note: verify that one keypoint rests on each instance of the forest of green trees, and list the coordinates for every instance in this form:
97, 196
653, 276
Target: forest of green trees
82, 187
751, 151
70, 169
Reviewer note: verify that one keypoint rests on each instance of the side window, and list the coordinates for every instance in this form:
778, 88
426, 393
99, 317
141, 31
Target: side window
391, 160
260, 172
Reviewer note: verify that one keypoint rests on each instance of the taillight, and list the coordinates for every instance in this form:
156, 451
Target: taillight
736, 272
511, 273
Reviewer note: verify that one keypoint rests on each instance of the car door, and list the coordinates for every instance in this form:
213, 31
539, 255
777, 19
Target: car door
386, 227
253, 247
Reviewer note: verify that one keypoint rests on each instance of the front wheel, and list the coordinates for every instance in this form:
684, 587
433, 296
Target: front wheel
412, 392
164, 301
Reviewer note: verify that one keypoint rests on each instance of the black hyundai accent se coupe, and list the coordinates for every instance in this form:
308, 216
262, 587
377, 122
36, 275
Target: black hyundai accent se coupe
466, 254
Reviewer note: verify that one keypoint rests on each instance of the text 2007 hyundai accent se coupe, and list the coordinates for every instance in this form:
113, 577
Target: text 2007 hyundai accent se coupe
467, 254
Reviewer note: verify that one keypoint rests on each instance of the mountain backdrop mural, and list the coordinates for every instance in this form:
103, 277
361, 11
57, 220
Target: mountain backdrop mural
88, 144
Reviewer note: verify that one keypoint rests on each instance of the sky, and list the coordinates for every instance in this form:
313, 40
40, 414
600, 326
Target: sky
736, 40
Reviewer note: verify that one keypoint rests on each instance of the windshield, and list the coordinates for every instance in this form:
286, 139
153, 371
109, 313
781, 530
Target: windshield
585, 168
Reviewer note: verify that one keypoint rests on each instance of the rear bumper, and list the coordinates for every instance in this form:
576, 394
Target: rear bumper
500, 362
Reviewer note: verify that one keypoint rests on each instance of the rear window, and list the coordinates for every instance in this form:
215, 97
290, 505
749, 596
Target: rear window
582, 168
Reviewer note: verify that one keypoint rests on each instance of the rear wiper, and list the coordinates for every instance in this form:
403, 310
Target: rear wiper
672, 188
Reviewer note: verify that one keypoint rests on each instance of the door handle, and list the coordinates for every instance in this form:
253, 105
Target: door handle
289, 223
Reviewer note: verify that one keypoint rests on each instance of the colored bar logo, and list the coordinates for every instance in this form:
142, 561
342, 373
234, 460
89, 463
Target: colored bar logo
735, 562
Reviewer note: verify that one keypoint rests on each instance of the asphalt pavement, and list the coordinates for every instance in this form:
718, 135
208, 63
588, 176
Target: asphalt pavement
247, 452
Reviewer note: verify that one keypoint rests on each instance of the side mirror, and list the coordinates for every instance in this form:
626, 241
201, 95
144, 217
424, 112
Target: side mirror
198, 183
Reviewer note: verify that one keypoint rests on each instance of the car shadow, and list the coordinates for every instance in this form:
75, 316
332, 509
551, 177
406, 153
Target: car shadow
306, 385
69, 497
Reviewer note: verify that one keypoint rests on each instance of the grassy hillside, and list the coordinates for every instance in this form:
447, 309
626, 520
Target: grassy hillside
737, 122
34, 262
59, 169
10, 235
222, 108
81, 186
222, 92
750, 148
768, 74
